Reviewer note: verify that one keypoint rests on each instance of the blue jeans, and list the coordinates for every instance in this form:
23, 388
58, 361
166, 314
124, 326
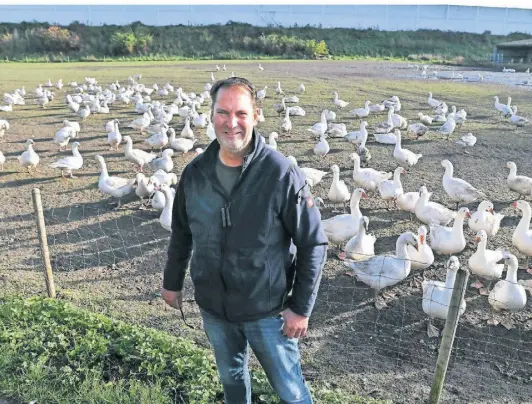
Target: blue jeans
278, 355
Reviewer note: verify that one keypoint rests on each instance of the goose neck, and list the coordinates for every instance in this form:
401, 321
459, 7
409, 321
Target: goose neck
525, 220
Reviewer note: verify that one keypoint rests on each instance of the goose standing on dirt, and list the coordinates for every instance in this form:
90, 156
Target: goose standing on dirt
322, 147
358, 136
338, 192
114, 138
485, 219
70, 163
448, 127
433, 102
518, 183
404, 156
468, 140
29, 158
164, 162
286, 125
484, 262
458, 189
111, 185
518, 121
361, 112
381, 271
4, 126
449, 240
417, 129
166, 215
181, 144
432, 212
425, 119
362, 245
2, 161
508, 294
338, 102
437, 296
137, 156
422, 257
319, 129
312, 175
367, 178
522, 236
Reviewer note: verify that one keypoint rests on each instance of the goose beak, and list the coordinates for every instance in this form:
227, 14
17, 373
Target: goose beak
468, 214
514, 204
477, 239
364, 195
422, 239
491, 211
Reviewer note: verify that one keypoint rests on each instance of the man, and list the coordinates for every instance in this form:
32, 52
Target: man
238, 206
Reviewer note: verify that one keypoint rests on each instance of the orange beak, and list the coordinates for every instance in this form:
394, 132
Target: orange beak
364, 195
468, 214
421, 239
492, 212
477, 239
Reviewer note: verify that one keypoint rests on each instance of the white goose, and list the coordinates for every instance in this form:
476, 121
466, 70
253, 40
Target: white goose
522, 236
63, 136
180, 144
260, 117
312, 175
376, 108
2, 161
433, 102
115, 186
301, 88
319, 129
144, 189
485, 219
389, 189
362, 245
141, 123
508, 294
137, 156
518, 121
431, 212
367, 178
448, 127
29, 158
187, 132
166, 215
336, 129
164, 162
449, 240
341, 228
442, 108
261, 94
286, 125
272, 140
422, 257
468, 140
4, 126
458, 189
70, 163
398, 121
518, 183
114, 138
338, 192
483, 262
404, 156
425, 119
338, 102
386, 126
278, 89
329, 115
322, 147
158, 140
361, 112
359, 136
437, 296
381, 271
417, 129
407, 201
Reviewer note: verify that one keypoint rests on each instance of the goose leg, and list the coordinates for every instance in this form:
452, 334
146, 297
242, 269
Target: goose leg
379, 303
118, 205
432, 331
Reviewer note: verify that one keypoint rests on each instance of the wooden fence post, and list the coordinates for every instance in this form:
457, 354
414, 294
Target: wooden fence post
41, 229
446, 345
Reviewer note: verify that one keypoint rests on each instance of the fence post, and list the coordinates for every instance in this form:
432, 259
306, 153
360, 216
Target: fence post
48, 275
446, 345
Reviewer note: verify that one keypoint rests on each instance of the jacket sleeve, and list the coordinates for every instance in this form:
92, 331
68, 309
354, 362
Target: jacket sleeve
302, 220
180, 247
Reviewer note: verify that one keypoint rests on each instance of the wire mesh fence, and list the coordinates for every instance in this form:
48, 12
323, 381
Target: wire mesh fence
115, 258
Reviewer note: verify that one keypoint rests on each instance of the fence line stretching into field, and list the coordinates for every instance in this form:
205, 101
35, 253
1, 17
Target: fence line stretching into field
345, 326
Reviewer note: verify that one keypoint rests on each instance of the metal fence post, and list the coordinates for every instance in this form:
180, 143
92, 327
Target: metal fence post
41, 229
446, 345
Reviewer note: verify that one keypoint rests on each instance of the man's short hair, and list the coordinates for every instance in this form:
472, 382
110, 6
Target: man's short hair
233, 81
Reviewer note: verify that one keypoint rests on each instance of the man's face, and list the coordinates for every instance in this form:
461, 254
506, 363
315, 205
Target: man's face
234, 118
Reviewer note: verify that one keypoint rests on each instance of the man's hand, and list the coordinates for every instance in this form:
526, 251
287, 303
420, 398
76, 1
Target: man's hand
173, 299
295, 326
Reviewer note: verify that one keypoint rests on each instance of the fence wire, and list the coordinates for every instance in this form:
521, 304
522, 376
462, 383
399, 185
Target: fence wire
113, 261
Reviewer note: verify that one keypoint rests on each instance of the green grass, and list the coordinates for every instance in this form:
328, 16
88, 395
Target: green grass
54, 352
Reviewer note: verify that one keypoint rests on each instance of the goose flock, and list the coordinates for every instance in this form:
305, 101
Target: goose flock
151, 145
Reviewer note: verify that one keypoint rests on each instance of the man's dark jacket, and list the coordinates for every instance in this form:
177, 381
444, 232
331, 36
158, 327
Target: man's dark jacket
242, 266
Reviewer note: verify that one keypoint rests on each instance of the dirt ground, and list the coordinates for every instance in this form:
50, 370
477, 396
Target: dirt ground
111, 262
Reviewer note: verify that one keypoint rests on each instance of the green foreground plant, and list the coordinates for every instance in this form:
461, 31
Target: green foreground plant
53, 352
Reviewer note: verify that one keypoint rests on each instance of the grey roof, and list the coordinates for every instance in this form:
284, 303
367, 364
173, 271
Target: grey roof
523, 43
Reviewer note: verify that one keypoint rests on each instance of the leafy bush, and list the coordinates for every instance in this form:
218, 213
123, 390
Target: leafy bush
70, 348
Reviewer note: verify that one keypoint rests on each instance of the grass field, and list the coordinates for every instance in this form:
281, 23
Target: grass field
111, 262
